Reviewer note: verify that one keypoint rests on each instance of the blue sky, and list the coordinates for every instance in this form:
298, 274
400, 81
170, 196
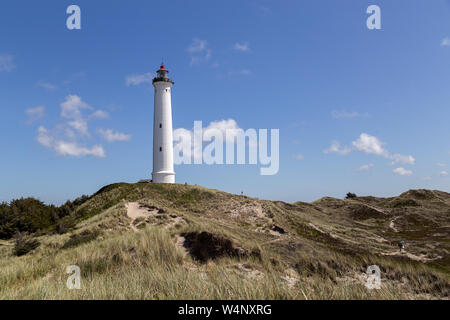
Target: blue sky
309, 68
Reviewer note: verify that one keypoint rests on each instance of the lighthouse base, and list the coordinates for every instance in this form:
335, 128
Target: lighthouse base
163, 177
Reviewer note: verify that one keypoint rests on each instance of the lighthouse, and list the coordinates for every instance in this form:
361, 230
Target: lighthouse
162, 129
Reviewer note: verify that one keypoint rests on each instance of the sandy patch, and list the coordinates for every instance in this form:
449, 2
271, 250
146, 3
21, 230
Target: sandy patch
392, 224
135, 211
291, 278
249, 272
421, 258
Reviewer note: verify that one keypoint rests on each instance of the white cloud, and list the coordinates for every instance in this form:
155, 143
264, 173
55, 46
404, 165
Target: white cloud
69, 133
35, 114
366, 167
44, 138
341, 114
299, 157
370, 145
402, 171
336, 148
241, 46
441, 164
427, 178
137, 79
72, 106
199, 51
445, 42
71, 109
229, 126
443, 173
70, 137
46, 85
112, 136
183, 137
99, 114
6, 62
80, 125
399, 158
197, 46
67, 148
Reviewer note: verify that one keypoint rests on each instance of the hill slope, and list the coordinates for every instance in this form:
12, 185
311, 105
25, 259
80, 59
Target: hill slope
152, 241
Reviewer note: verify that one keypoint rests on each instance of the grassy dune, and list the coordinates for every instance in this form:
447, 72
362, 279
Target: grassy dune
197, 243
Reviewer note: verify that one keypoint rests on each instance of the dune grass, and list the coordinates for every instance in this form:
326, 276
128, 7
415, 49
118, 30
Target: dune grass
118, 263
148, 265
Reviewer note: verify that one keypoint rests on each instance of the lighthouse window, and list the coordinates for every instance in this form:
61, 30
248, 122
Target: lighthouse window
160, 149
160, 125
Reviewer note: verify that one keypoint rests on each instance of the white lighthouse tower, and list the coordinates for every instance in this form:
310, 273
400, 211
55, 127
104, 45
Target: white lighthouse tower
162, 129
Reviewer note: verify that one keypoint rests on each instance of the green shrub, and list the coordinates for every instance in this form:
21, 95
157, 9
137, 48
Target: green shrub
65, 225
401, 203
78, 239
24, 244
31, 215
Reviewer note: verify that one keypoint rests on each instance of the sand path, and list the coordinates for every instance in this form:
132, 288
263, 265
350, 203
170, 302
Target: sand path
421, 258
134, 211
392, 224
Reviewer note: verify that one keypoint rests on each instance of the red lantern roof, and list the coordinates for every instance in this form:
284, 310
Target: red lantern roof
163, 68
